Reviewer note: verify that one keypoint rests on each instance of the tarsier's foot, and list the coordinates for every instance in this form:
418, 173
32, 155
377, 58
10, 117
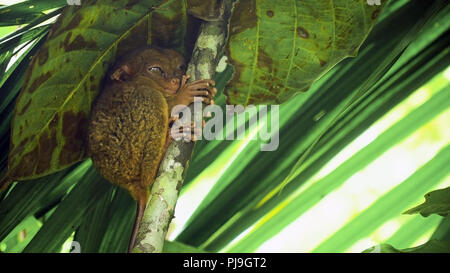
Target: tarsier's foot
200, 88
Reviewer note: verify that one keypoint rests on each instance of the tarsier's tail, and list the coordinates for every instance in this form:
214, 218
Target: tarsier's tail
140, 208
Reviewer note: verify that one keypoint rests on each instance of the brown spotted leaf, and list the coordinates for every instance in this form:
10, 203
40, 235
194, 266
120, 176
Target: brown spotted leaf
65, 76
279, 48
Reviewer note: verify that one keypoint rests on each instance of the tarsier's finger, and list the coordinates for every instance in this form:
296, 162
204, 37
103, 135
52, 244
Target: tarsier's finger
205, 92
191, 128
185, 136
188, 125
200, 93
183, 128
184, 79
178, 137
206, 100
212, 92
207, 82
200, 86
194, 132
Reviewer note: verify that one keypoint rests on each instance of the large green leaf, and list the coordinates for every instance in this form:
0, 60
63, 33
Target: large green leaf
279, 49
65, 76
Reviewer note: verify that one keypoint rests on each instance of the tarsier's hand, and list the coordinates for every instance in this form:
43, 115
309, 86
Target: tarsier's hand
200, 88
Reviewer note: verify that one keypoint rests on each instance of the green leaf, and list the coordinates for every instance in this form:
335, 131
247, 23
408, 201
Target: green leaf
94, 224
68, 215
279, 50
432, 246
33, 39
442, 232
30, 35
21, 235
5, 57
414, 230
388, 206
177, 247
25, 199
121, 215
437, 202
28, 32
27, 11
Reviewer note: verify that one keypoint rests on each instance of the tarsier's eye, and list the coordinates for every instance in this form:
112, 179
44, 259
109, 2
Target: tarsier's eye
155, 69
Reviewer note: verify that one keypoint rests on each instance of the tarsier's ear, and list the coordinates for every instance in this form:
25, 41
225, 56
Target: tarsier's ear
121, 73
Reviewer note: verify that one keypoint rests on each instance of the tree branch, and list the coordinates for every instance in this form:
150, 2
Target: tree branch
158, 214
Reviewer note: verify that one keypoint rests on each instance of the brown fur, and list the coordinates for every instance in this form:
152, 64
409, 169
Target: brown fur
129, 122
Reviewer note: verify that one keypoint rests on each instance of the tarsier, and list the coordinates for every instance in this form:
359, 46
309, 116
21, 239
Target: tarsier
129, 128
